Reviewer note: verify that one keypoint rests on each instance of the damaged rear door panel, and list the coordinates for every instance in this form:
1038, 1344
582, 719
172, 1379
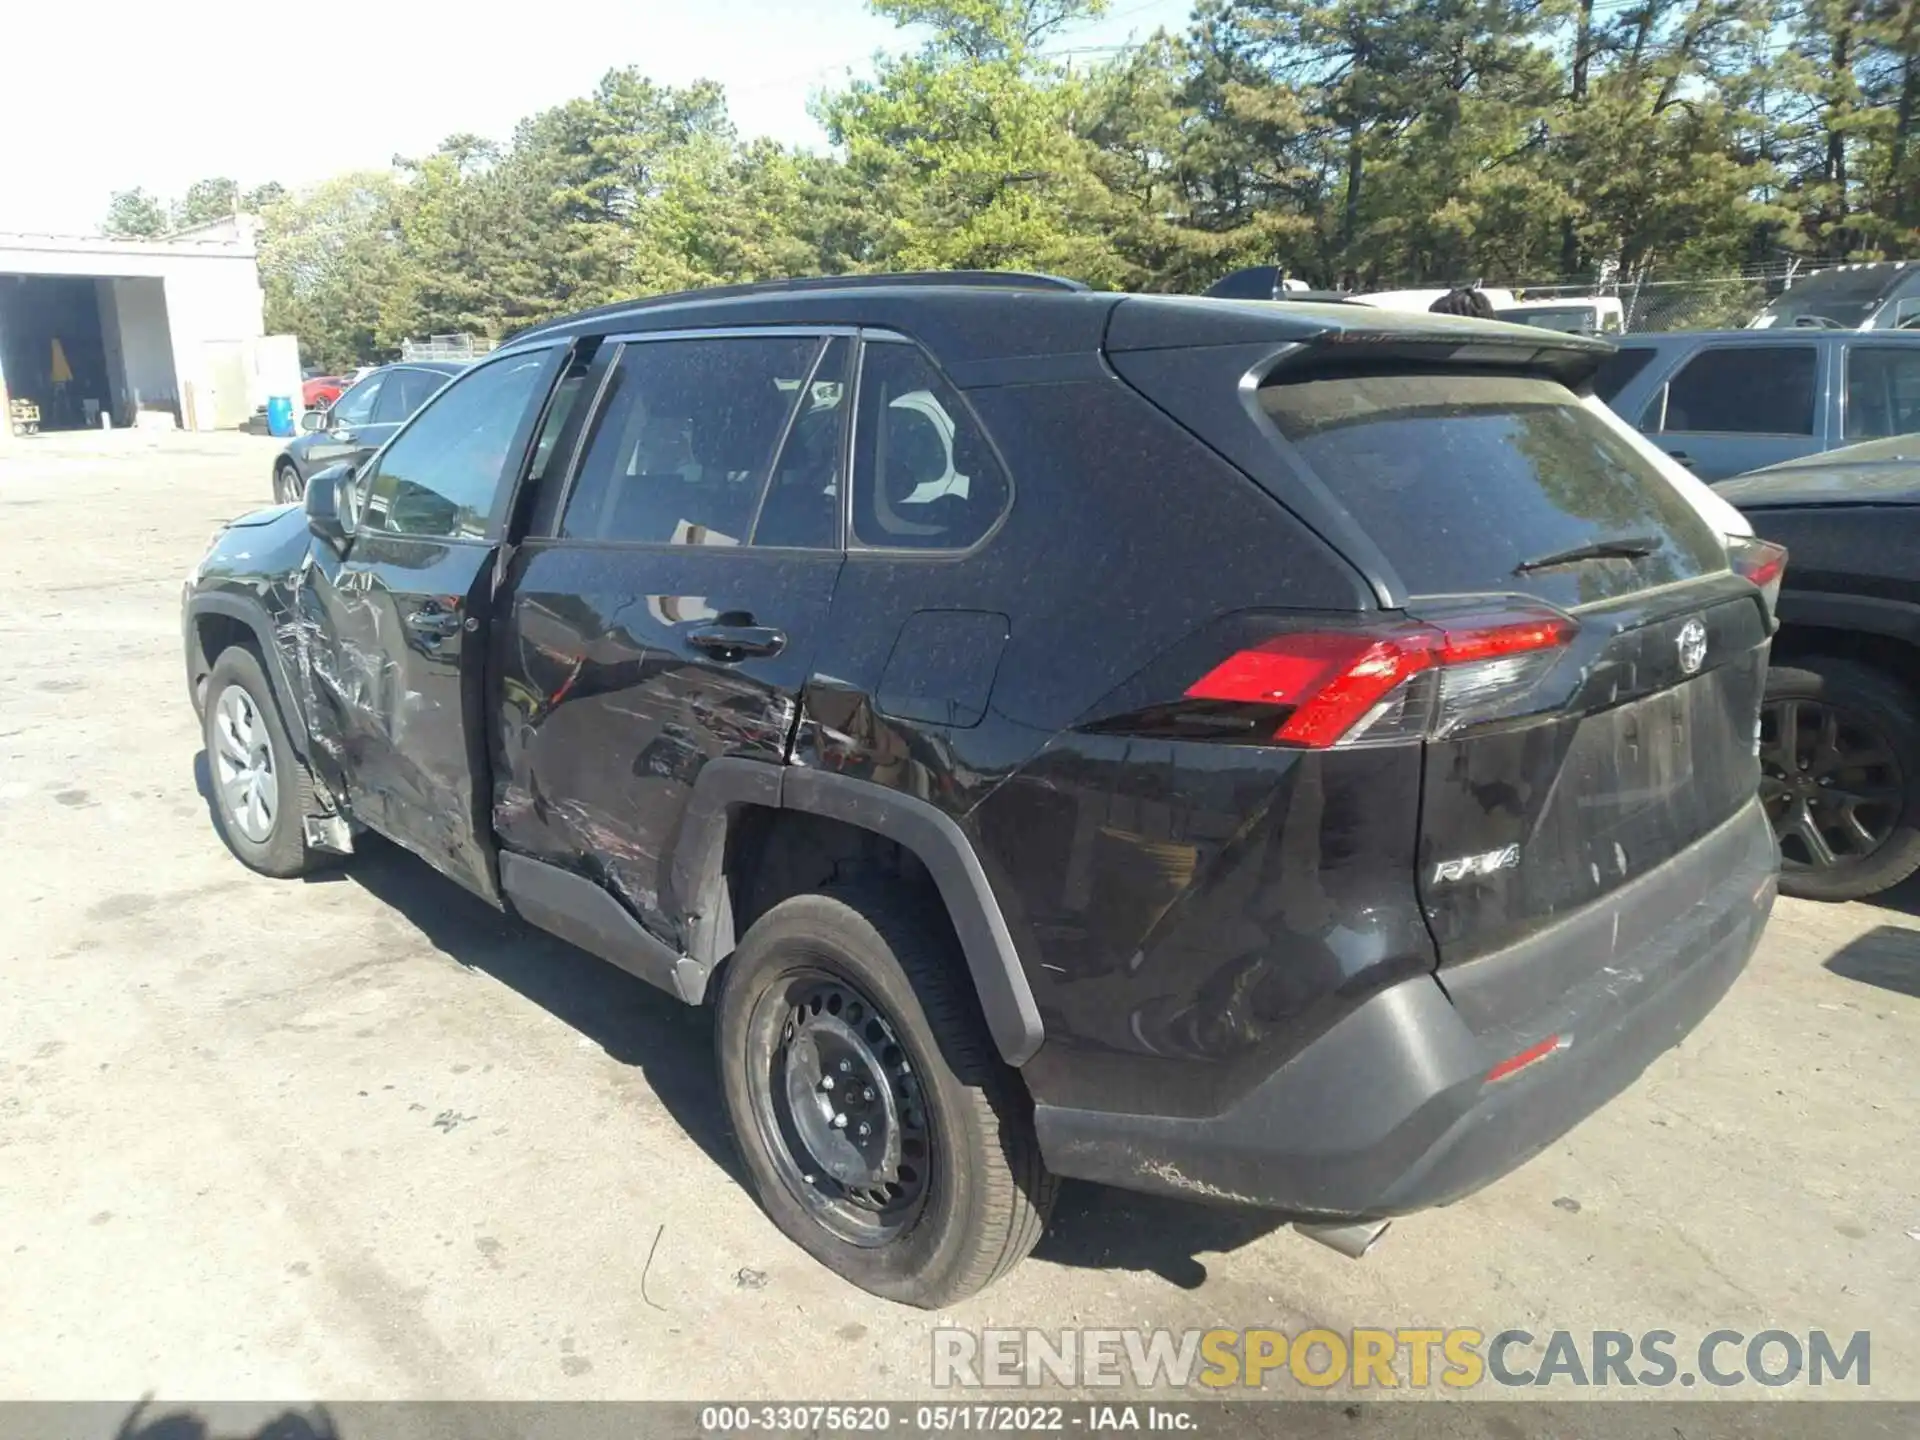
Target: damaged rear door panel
665, 612
395, 629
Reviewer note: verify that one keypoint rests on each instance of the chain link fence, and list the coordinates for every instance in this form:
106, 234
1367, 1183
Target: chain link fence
1690, 302
445, 347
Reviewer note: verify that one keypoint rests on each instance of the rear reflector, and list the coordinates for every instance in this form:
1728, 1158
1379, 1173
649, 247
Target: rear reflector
1342, 684
1514, 1063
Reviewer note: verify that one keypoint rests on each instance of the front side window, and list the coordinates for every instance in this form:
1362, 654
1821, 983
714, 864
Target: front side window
1745, 390
684, 438
440, 476
1883, 391
356, 406
924, 475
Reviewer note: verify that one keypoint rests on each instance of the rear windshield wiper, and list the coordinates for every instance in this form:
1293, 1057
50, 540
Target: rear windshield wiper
1616, 547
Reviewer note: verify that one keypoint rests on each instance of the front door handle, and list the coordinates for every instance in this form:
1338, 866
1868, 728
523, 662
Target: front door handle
738, 642
1682, 456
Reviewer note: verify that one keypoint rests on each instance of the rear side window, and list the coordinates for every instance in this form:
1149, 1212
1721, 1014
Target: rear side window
356, 406
1617, 369
1461, 479
683, 441
405, 392
1744, 390
802, 505
1883, 391
924, 477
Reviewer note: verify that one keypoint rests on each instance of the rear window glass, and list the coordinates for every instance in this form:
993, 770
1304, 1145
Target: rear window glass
1461, 479
1617, 369
1841, 298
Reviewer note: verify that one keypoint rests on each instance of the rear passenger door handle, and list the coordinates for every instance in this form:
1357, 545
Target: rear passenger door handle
738, 642
433, 622
1682, 456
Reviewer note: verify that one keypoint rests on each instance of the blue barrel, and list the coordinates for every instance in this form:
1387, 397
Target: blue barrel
279, 415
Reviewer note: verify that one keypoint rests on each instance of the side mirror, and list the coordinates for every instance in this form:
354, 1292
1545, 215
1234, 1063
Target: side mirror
313, 420
324, 517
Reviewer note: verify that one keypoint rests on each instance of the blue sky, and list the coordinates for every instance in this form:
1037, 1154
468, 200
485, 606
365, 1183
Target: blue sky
161, 96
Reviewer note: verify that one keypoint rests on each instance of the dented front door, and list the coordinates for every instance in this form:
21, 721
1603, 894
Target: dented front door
397, 626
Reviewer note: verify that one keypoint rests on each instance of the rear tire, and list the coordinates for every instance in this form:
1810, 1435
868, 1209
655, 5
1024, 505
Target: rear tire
817, 980
1855, 731
261, 792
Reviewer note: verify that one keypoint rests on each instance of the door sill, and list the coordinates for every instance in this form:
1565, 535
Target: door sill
585, 914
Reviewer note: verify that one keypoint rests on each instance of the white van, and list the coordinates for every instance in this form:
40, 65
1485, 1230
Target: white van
1569, 314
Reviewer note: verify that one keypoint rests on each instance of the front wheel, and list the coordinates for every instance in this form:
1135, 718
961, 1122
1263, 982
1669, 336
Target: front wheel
287, 484
880, 1130
1840, 777
261, 791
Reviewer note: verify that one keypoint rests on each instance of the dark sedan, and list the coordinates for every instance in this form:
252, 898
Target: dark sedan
1840, 732
358, 423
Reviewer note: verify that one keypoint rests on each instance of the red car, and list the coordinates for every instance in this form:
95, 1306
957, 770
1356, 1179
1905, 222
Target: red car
321, 391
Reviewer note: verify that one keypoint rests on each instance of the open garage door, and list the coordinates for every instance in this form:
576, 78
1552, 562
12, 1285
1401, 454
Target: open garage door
74, 347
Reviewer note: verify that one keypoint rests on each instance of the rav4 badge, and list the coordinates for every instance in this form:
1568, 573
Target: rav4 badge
1490, 863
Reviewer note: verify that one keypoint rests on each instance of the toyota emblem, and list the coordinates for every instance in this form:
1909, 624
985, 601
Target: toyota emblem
1692, 644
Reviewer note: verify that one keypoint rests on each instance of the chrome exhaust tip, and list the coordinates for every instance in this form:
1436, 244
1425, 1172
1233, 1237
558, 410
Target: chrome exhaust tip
1351, 1240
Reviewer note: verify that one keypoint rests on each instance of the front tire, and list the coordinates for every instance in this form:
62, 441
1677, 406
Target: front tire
287, 484
880, 1130
1840, 777
261, 791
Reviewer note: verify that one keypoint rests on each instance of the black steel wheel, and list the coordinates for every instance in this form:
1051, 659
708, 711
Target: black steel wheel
840, 1106
1839, 762
879, 1128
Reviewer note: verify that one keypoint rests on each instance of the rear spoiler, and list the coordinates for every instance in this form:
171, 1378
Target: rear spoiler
1360, 353
1267, 282
1343, 339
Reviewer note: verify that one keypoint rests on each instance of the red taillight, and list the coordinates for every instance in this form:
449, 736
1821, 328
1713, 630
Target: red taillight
1350, 695
1335, 680
1760, 561
1764, 570
1280, 672
1331, 679
1489, 640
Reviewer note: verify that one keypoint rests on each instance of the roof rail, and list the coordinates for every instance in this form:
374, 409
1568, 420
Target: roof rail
976, 279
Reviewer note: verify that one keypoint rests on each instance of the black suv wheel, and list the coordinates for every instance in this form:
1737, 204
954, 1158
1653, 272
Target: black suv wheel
1840, 777
261, 791
880, 1130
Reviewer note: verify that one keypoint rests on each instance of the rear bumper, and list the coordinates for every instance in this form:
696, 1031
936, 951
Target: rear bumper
1392, 1110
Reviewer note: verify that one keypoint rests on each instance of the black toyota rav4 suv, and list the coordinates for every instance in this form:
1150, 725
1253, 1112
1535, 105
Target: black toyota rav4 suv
1292, 755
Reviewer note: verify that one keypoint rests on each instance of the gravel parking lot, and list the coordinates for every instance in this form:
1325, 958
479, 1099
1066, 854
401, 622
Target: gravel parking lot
364, 1137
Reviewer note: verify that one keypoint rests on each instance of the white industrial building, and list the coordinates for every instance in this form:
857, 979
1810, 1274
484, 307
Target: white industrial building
169, 327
